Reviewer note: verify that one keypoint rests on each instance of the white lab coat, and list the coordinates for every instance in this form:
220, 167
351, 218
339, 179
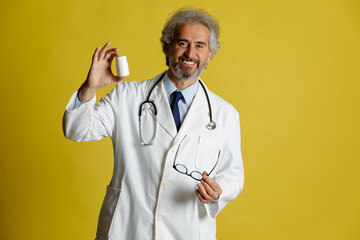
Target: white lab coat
147, 198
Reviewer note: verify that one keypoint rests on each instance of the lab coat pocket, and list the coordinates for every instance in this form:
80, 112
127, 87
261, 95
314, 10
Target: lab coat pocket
107, 212
208, 154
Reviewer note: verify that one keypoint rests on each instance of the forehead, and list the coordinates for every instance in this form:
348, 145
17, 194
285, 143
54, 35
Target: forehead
192, 32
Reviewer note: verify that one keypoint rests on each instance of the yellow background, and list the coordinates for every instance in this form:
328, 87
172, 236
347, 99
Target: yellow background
291, 68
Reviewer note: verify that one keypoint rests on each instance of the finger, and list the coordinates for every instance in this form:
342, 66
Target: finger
110, 52
96, 54
209, 181
116, 54
200, 197
212, 183
203, 192
214, 195
103, 50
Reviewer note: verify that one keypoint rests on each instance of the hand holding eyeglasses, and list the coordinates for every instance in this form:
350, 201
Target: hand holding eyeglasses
208, 190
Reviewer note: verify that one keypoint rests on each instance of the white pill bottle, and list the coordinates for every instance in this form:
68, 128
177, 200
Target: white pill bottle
122, 66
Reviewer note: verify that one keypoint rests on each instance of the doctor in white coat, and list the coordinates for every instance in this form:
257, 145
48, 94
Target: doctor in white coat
172, 172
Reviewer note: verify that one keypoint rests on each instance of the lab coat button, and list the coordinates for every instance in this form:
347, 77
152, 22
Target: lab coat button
160, 218
165, 183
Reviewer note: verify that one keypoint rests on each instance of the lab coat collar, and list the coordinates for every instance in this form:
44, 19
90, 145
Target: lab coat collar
196, 117
188, 93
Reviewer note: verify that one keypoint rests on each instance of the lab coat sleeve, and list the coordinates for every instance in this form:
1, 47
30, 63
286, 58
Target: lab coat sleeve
230, 175
90, 121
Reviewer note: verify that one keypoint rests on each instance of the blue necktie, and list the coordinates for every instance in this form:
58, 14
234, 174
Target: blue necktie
176, 96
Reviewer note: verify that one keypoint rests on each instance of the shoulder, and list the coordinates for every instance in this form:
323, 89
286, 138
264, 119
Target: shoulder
221, 106
225, 115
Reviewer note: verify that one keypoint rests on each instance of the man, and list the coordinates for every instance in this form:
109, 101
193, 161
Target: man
177, 156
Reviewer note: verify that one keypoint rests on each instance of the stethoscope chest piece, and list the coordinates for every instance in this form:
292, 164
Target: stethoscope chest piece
211, 125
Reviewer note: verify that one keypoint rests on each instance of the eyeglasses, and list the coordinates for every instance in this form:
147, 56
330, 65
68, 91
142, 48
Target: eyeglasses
196, 175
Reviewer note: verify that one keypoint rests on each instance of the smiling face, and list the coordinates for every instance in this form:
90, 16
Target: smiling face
189, 54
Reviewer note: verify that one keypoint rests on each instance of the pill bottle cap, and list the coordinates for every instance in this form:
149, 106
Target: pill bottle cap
121, 59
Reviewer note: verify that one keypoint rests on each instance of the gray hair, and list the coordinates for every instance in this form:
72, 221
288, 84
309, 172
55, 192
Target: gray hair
191, 15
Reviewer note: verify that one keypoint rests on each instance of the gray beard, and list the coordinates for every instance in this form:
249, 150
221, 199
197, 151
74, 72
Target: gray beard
183, 74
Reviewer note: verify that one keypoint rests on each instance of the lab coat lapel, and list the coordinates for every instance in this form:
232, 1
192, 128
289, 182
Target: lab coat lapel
197, 115
164, 115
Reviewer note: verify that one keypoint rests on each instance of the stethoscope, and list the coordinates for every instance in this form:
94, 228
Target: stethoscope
211, 125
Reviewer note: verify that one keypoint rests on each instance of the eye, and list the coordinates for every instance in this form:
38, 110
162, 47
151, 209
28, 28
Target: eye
182, 44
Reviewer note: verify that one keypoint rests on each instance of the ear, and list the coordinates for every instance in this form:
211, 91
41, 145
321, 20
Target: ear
167, 50
210, 56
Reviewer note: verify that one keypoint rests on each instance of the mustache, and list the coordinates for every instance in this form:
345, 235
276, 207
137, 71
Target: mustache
189, 59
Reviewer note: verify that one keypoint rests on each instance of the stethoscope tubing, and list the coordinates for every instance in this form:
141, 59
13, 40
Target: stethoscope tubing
211, 125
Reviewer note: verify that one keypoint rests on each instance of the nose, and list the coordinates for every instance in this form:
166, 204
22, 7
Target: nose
191, 51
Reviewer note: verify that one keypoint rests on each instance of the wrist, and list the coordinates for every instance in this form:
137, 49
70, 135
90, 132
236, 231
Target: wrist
85, 93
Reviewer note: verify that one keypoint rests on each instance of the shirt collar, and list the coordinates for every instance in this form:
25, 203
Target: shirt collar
188, 93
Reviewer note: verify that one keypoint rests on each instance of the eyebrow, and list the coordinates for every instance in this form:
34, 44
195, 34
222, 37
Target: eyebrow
197, 42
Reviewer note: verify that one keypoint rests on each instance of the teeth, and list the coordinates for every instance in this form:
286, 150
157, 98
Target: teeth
190, 63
